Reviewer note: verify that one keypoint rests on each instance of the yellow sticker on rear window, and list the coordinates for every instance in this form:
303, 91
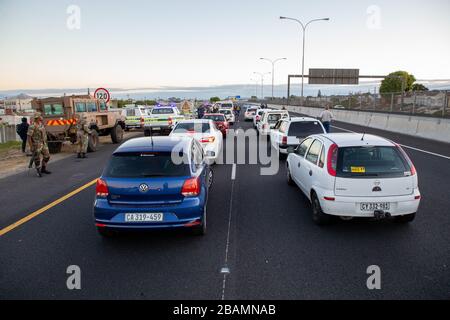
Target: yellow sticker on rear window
358, 169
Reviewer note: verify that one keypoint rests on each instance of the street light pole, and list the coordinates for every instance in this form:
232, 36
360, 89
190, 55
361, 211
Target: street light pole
273, 69
262, 82
304, 26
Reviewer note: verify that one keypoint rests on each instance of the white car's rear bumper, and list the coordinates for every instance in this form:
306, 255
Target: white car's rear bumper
351, 206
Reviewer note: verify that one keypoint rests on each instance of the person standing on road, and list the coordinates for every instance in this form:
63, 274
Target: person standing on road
83, 133
22, 131
37, 140
326, 116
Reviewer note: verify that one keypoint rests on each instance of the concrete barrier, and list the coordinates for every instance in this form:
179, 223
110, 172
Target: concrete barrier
8, 133
425, 127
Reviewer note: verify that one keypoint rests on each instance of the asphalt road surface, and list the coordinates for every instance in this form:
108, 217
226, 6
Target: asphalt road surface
258, 227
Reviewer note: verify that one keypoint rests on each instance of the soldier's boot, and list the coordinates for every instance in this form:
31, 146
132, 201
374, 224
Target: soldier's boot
79, 155
38, 172
44, 170
83, 155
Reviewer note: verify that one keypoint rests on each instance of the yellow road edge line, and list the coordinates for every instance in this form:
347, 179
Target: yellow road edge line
47, 207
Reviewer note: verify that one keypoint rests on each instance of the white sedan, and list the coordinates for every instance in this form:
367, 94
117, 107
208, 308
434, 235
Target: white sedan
355, 175
205, 132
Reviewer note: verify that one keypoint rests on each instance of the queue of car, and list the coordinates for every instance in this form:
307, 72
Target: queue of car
163, 182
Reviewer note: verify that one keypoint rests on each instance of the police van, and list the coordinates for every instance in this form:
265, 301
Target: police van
135, 116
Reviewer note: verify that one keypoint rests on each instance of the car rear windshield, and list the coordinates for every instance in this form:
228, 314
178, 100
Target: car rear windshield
375, 161
219, 118
141, 165
162, 111
225, 111
273, 117
192, 127
304, 128
227, 105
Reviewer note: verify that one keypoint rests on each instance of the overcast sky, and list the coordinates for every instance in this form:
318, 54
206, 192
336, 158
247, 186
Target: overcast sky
137, 43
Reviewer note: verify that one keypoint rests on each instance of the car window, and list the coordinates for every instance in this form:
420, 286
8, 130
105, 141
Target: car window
53, 109
91, 107
219, 118
305, 128
145, 164
162, 111
103, 106
301, 150
80, 107
130, 112
314, 152
322, 157
374, 161
193, 127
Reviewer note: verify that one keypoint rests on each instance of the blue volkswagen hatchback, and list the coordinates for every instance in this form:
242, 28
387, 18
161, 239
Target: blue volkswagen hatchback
154, 183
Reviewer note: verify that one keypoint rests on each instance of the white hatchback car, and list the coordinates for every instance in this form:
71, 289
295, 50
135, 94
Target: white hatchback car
355, 175
205, 132
291, 132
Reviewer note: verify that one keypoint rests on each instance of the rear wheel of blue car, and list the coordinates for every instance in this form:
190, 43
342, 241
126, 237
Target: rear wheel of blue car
201, 229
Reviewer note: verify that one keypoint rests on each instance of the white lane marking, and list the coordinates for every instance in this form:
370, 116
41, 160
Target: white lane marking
233, 172
405, 146
227, 247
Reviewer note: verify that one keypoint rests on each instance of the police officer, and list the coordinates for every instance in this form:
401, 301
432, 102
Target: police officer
83, 133
37, 140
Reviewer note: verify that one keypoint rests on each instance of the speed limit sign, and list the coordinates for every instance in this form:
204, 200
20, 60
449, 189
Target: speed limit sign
102, 94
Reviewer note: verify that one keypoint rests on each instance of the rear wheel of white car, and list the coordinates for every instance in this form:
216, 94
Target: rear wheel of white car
405, 219
289, 177
319, 217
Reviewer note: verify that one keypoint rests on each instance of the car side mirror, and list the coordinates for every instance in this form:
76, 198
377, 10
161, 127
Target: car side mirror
291, 149
210, 153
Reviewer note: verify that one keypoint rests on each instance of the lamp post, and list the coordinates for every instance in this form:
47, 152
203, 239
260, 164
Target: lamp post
256, 86
304, 26
273, 69
262, 82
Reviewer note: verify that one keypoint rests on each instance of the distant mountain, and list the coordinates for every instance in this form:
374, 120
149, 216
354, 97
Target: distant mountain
203, 93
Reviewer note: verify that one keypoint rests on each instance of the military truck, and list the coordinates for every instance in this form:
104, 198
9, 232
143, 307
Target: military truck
61, 116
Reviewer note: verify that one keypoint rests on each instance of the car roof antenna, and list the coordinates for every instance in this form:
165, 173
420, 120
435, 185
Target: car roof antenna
362, 139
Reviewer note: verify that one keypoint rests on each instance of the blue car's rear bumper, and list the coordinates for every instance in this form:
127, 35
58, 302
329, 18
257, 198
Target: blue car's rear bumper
187, 213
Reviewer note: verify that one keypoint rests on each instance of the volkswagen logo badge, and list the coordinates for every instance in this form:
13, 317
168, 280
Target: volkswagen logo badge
143, 188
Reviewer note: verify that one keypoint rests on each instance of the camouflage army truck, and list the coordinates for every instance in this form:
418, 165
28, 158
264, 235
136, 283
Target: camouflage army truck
61, 116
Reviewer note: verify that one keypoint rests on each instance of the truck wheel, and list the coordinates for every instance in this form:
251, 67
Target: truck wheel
54, 147
117, 134
93, 141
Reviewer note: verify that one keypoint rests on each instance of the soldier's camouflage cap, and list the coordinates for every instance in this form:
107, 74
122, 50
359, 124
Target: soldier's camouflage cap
37, 115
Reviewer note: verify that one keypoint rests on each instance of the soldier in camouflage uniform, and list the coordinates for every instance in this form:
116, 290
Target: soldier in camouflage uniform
83, 133
37, 140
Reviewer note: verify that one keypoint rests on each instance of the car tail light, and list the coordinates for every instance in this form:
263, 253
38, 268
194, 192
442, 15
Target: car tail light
257, 118
208, 140
191, 187
170, 121
102, 188
407, 158
332, 160
142, 120
329, 198
284, 140
417, 197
